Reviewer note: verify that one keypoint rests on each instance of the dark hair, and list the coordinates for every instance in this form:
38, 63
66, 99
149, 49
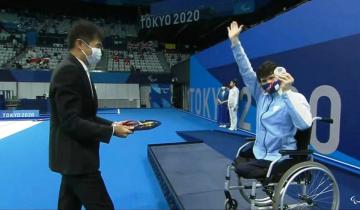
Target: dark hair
266, 69
234, 81
85, 30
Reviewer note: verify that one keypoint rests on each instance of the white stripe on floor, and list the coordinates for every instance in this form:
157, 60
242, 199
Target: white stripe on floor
8, 128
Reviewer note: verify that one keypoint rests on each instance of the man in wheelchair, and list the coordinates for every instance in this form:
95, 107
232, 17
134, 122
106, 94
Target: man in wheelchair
283, 123
280, 111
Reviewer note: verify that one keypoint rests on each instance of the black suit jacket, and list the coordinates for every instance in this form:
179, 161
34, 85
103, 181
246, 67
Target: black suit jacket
75, 130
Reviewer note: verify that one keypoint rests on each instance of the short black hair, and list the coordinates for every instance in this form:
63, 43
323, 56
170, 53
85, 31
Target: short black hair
265, 69
85, 30
234, 81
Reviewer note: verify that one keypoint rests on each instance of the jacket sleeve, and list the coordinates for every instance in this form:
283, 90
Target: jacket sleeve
231, 98
236, 98
246, 70
103, 121
68, 105
299, 109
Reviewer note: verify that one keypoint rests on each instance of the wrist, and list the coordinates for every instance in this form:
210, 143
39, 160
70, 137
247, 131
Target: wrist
283, 91
234, 41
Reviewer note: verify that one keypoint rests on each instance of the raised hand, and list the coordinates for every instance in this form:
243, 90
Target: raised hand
234, 30
286, 81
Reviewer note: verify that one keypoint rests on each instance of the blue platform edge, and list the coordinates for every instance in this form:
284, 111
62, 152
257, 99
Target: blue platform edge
168, 191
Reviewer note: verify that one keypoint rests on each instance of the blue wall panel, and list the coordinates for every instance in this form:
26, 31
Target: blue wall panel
313, 22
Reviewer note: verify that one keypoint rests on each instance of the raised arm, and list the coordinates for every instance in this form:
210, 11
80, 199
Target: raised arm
245, 68
299, 108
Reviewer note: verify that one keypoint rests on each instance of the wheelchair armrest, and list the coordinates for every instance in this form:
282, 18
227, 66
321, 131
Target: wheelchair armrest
242, 147
296, 152
250, 138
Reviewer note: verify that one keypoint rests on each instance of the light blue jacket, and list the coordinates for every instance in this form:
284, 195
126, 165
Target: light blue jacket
279, 115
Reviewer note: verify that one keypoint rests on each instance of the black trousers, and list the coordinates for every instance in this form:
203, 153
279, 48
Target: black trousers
248, 166
88, 190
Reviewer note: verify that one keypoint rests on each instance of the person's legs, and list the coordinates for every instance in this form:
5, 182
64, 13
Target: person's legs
248, 166
91, 191
226, 116
233, 119
219, 115
67, 197
253, 168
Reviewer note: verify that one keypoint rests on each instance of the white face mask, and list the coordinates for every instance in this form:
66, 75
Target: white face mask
95, 56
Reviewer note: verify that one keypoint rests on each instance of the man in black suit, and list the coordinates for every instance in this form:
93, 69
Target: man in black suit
75, 130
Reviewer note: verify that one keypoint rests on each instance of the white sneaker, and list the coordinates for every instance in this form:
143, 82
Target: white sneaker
222, 126
231, 129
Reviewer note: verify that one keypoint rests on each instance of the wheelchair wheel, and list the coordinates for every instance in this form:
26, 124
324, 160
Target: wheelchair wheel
262, 199
231, 204
307, 185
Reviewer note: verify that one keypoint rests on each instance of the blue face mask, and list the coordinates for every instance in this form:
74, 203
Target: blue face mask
95, 56
271, 87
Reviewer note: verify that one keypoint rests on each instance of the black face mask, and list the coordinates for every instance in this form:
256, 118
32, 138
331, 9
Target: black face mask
271, 87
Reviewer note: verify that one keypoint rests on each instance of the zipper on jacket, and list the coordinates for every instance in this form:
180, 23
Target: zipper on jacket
267, 109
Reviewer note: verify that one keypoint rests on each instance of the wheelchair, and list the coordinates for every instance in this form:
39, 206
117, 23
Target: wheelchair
293, 181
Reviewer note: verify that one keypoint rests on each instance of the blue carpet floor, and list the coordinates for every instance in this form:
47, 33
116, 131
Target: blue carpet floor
27, 183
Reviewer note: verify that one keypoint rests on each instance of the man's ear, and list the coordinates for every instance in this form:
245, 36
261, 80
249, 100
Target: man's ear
79, 44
